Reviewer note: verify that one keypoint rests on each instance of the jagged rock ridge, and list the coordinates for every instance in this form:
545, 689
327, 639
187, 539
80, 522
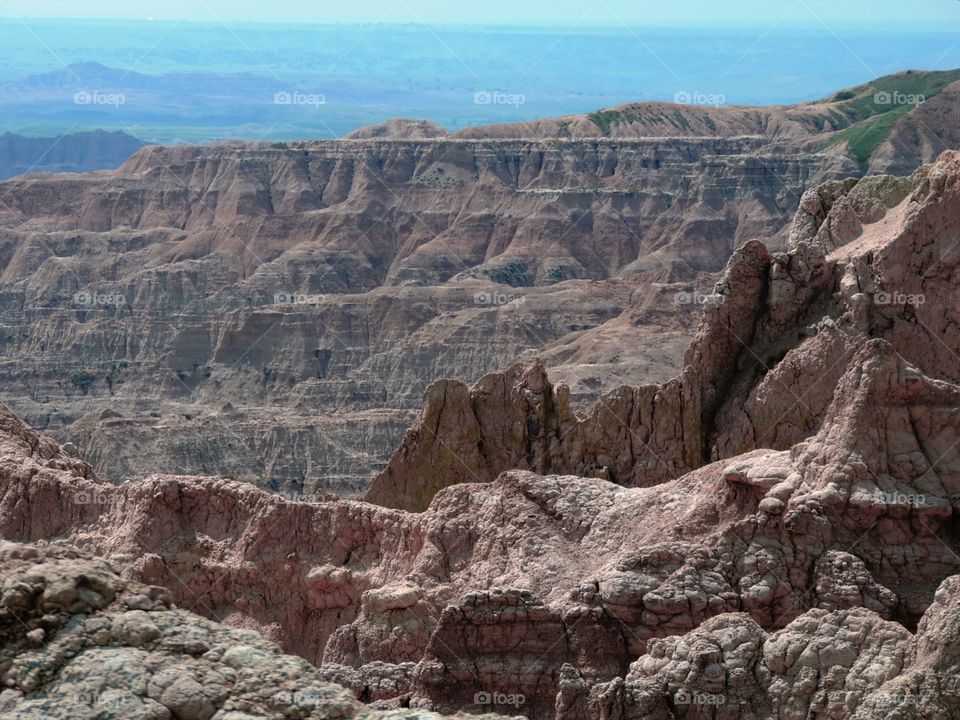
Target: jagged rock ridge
778, 333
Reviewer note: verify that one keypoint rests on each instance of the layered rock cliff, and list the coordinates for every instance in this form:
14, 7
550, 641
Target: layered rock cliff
891, 124
275, 312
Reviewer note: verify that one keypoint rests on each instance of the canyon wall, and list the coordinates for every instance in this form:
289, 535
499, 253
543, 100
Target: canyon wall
275, 312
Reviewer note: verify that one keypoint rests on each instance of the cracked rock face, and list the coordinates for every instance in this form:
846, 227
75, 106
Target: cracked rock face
771, 534
836, 664
80, 643
823, 664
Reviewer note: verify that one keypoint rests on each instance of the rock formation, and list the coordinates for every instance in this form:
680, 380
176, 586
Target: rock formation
275, 312
770, 534
891, 124
73, 152
503, 589
79, 642
869, 259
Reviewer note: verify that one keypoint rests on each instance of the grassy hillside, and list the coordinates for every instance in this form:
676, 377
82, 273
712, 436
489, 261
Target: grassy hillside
875, 108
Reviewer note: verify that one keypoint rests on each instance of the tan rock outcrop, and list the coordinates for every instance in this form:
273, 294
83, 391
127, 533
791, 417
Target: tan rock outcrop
80, 643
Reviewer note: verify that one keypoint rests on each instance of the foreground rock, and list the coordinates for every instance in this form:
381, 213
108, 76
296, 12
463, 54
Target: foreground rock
80, 643
844, 664
564, 596
499, 586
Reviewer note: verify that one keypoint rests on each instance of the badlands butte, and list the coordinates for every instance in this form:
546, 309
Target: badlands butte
275, 312
780, 540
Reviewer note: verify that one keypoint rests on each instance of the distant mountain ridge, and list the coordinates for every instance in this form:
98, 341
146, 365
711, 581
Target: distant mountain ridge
76, 152
891, 124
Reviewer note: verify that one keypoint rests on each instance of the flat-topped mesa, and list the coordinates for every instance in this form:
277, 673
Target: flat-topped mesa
785, 577
68, 152
850, 120
869, 258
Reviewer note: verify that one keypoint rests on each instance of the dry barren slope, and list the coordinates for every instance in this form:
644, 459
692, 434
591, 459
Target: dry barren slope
275, 312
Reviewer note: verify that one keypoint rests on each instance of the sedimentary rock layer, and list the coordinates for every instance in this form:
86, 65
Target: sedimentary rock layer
275, 312
874, 258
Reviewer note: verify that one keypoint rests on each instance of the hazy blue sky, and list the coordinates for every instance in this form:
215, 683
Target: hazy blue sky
838, 15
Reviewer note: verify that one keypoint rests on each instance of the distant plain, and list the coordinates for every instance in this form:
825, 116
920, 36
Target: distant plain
197, 82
